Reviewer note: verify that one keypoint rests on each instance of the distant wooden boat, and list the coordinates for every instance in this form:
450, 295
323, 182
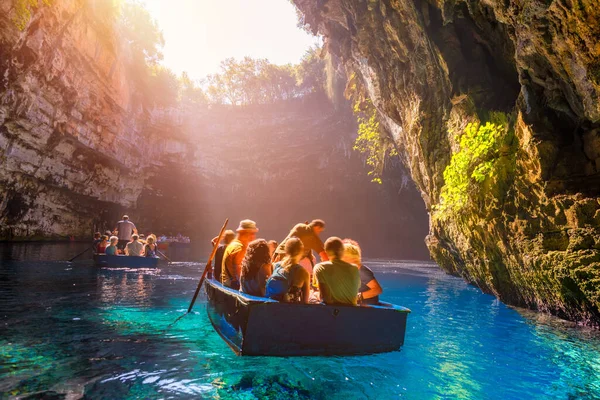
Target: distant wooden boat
103, 260
257, 326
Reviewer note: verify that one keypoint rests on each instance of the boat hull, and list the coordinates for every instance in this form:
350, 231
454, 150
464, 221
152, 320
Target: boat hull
103, 260
262, 327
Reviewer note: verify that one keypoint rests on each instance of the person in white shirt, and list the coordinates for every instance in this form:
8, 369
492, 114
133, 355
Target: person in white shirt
125, 229
135, 247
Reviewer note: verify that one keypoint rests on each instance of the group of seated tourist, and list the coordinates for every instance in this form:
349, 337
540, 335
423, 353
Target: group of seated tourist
286, 272
136, 246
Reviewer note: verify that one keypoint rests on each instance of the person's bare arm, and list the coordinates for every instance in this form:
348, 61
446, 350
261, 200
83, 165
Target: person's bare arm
265, 272
321, 286
323, 292
374, 290
306, 286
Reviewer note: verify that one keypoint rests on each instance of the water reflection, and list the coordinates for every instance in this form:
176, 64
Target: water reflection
42, 251
117, 285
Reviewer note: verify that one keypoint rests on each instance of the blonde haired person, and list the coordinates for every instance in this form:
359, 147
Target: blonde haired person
112, 250
150, 247
369, 290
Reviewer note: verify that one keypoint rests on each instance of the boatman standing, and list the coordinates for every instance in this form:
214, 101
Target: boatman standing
309, 235
125, 229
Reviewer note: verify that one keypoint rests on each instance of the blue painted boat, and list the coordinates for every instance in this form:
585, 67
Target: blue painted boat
256, 326
103, 260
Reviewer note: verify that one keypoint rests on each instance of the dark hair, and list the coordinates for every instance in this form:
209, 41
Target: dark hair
97, 235
256, 256
104, 237
228, 236
334, 245
317, 223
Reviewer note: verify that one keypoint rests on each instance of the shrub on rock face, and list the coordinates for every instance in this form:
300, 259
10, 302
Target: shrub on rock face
471, 165
23, 11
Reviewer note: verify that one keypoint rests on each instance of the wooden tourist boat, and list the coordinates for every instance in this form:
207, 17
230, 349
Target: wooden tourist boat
257, 326
103, 260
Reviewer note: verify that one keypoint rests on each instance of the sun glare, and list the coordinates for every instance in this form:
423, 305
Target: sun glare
199, 34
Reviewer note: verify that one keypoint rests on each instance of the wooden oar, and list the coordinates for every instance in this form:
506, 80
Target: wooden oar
85, 251
162, 254
207, 267
212, 255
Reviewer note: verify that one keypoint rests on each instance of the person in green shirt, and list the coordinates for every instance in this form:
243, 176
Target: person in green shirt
338, 281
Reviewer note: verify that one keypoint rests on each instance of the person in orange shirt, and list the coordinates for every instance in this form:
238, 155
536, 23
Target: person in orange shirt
235, 252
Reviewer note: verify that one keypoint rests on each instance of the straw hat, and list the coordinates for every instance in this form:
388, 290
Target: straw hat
247, 225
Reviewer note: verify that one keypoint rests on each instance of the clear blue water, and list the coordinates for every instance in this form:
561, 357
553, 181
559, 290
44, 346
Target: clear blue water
74, 330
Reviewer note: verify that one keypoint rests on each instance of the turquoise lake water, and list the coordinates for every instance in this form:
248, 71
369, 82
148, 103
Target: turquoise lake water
69, 330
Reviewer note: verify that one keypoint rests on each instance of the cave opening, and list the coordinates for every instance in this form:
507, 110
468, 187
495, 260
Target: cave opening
479, 56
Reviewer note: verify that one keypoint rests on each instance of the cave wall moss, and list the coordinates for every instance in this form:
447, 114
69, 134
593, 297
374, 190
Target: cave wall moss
530, 234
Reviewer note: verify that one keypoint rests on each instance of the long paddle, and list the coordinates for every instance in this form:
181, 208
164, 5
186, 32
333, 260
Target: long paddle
162, 254
212, 255
85, 251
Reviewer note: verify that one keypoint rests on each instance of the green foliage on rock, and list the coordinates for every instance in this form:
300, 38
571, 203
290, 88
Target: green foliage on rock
191, 93
23, 10
162, 86
370, 140
310, 73
474, 162
142, 32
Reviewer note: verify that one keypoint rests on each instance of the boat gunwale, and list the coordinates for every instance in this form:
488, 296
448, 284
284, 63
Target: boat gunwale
249, 300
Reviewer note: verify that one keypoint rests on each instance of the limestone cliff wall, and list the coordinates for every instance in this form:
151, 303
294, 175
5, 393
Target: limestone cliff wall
531, 234
71, 137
